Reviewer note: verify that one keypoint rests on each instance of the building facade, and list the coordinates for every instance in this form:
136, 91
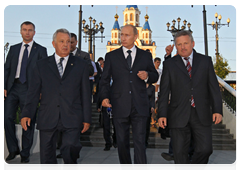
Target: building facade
131, 15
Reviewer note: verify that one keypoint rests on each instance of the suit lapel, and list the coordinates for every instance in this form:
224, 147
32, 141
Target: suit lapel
180, 64
32, 52
69, 66
53, 65
195, 63
16, 53
137, 57
122, 57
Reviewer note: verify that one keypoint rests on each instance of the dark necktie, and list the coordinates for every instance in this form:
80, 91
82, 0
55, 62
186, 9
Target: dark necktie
22, 77
189, 69
60, 66
129, 58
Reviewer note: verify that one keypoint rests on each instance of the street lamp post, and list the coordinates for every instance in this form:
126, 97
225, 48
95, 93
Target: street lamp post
90, 32
217, 25
174, 30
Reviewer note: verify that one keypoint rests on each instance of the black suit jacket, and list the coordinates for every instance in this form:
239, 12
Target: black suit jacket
99, 73
67, 97
86, 57
127, 86
10, 67
203, 86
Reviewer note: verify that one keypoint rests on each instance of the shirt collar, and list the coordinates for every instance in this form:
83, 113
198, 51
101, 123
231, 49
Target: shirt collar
133, 49
57, 58
74, 51
30, 43
190, 57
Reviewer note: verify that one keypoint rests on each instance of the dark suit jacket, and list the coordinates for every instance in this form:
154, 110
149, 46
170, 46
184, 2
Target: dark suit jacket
151, 95
203, 86
67, 97
127, 86
86, 57
10, 67
99, 73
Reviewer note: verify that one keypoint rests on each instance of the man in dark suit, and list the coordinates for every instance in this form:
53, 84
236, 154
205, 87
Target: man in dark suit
130, 68
97, 79
77, 52
62, 80
18, 69
194, 103
84, 55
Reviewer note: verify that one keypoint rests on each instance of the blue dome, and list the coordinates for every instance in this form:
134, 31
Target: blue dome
129, 6
116, 25
146, 26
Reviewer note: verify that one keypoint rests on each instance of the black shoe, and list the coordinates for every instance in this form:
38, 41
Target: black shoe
24, 159
59, 155
12, 155
114, 145
107, 148
167, 156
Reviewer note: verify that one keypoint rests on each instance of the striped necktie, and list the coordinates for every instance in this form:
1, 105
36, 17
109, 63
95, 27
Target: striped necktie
60, 66
189, 69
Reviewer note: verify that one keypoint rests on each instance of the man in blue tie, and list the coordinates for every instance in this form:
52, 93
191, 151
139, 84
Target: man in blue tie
18, 68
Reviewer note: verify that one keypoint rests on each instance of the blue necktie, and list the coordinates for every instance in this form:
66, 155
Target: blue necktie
129, 59
22, 77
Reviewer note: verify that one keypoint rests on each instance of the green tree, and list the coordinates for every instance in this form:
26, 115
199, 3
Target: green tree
221, 67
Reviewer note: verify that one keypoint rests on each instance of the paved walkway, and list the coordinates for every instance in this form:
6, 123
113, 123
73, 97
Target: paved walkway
96, 155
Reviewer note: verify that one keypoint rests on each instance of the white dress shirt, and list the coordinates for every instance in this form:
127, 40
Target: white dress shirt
133, 53
190, 59
64, 62
21, 56
74, 51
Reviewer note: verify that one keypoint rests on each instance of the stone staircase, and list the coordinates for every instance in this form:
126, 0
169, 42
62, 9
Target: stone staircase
222, 139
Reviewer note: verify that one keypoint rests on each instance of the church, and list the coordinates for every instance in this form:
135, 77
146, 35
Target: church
131, 15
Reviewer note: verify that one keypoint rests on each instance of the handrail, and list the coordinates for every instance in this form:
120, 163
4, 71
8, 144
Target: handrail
227, 86
228, 95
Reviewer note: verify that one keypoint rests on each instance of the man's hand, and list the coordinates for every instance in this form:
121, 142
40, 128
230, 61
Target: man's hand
162, 122
24, 122
169, 49
85, 127
5, 94
143, 75
106, 103
217, 118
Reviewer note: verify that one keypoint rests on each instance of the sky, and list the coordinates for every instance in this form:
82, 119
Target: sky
49, 18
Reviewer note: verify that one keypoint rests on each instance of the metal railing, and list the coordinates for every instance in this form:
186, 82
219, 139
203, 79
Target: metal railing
228, 95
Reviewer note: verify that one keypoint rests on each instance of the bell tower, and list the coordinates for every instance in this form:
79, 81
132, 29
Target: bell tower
131, 15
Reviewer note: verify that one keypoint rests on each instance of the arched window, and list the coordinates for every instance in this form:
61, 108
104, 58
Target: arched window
126, 17
112, 35
146, 35
131, 17
143, 35
115, 35
137, 17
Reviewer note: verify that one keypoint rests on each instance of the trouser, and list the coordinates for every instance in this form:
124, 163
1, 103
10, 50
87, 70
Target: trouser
16, 97
70, 147
202, 137
122, 126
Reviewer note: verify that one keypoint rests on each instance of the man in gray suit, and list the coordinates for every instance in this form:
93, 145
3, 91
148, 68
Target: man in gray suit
77, 52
